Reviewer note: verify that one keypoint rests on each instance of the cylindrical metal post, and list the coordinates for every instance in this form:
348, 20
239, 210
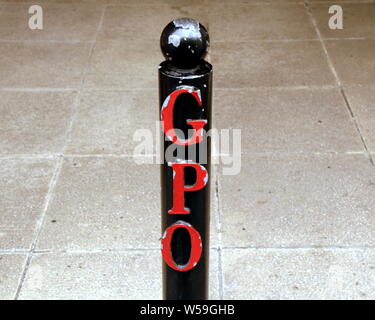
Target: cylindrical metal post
185, 83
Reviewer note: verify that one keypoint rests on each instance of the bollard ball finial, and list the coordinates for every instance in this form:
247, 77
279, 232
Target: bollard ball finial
184, 42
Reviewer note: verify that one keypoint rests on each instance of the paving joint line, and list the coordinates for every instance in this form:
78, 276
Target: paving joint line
298, 247
346, 2
45, 41
219, 235
59, 164
43, 89
290, 40
337, 78
124, 89
258, 3
357, 125
303, 153
38, 252
322, 87
40, 221
14, 251
58, 167
92, 251
55, 156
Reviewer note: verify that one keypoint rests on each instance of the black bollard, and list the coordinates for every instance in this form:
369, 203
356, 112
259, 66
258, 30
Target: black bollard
185, 83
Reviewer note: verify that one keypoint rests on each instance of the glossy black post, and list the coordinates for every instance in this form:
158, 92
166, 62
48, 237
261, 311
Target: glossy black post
184, 43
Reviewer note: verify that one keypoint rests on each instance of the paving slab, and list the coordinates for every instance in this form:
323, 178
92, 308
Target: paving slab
11, 267
241, 22
105, 203
34, 122
107, 122
270, 64
299, 274
362, 102
274, 120
23, 188
353, 60
111, 275
124, 65
299, 200
42, 64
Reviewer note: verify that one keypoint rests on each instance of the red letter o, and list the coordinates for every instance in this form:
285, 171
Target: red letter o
196, 246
